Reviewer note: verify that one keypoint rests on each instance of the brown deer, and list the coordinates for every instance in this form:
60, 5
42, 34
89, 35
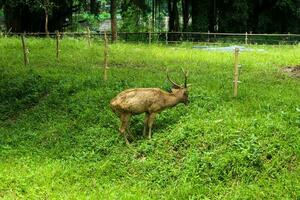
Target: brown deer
149, 101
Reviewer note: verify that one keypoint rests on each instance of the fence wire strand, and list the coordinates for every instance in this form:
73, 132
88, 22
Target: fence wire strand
178, 37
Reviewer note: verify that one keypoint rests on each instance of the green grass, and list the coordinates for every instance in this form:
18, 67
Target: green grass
59, 139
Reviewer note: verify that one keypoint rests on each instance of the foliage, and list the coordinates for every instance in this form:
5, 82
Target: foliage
37, 5
134, 19
29, 15
59, 139
206, 15
240, 14
94, 20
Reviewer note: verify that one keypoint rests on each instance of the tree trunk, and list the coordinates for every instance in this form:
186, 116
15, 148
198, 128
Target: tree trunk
185, 14
196, 16
173, 16
46, 22
200, 15
113, 12
153, 15
176, 14
94, 7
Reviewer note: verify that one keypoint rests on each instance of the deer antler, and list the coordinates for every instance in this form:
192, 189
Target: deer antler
185, 77
174, 84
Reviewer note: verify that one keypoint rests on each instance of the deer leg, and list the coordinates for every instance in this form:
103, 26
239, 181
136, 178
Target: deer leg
124, 124
150, 123
128, 129
145, 124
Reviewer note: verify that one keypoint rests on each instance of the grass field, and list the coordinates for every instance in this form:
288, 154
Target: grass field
59, 139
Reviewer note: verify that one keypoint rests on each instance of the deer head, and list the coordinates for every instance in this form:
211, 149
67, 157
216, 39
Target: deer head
181, 92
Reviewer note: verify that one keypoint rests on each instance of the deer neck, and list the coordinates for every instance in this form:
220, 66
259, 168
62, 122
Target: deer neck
171, 100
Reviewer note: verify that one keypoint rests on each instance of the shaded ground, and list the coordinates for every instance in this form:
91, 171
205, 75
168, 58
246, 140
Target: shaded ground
292, 71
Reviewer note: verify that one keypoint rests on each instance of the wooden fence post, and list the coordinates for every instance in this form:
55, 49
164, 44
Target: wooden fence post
236, 71
166, 37
149, 37
89, 36
246, 38
105, 57
57, 44
248, 35
25, 50
208, 36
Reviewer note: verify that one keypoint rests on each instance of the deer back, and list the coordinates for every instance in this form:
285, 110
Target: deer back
140, 100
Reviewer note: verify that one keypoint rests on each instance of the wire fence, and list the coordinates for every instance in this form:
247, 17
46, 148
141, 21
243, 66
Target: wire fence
162, 37
178, 37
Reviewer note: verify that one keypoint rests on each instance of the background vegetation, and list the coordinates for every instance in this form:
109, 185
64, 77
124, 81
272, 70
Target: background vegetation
59, 139
255, 16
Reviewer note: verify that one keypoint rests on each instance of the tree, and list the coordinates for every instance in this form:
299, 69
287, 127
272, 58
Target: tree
234, 16
113, 17
173, 15
257, 16
36, 15
134, 15
200, 12
185, 14
47, 7
94, 7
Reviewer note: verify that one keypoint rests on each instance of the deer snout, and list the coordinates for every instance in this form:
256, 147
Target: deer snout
186, 102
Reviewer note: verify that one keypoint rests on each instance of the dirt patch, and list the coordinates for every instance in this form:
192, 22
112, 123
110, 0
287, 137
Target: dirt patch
292, 71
